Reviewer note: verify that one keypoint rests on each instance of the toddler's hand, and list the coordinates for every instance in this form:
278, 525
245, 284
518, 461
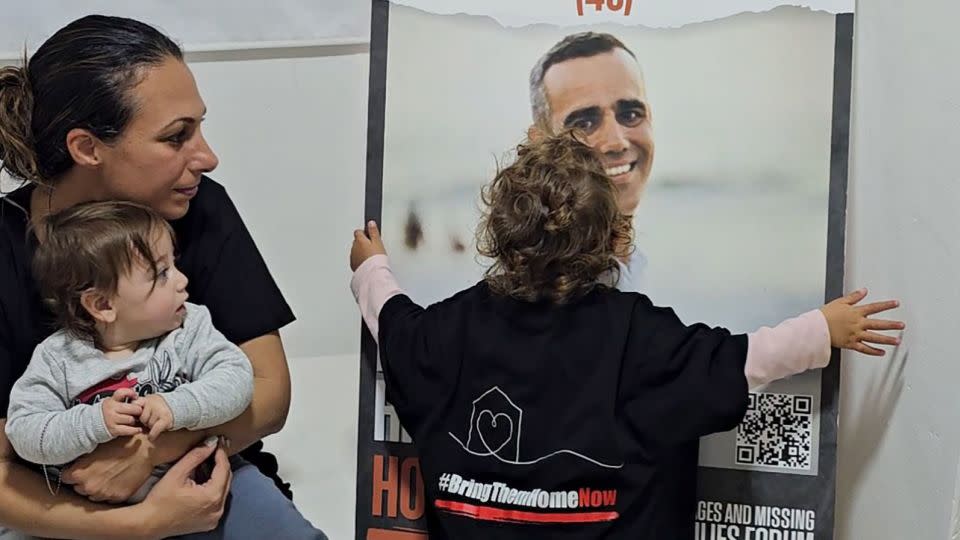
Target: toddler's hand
850, 325
363, 247
120, 416
156, 415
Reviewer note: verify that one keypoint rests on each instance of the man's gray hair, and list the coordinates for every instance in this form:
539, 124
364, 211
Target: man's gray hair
580, 45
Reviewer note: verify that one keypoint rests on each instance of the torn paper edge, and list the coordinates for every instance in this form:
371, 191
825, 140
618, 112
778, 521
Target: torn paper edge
648, 13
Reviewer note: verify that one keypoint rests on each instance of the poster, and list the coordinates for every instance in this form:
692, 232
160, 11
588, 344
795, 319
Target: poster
739, 204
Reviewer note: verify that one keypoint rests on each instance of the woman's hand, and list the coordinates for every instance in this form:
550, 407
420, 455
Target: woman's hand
114, 471
178, 505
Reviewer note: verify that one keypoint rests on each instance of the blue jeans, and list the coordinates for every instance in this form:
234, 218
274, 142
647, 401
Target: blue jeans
256, 509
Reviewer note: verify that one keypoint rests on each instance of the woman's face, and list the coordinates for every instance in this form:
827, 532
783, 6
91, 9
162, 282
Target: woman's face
159, 158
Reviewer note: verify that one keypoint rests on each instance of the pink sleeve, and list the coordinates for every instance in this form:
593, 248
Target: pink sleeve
372, 285
793, 346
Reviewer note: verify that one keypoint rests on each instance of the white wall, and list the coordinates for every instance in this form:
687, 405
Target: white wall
900, 417
290, 127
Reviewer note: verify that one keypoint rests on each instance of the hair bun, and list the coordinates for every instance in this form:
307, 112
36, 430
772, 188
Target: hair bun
17, 156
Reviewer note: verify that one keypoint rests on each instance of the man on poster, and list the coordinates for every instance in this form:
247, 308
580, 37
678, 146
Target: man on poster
592, 82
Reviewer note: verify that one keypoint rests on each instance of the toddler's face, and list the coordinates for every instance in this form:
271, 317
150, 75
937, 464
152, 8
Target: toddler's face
148, 305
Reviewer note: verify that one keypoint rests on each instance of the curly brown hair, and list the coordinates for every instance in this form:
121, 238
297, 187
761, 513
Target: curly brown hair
90, 246
551, 224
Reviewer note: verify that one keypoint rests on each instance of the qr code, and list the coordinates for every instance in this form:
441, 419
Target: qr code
776, 432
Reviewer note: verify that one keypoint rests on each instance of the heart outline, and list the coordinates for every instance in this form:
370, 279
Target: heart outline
493, 422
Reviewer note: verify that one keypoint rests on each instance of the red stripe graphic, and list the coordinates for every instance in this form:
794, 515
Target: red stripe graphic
395, 534
487, 513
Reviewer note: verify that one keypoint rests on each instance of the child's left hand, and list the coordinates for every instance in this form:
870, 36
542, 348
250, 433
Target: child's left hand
364, 247
156, 415
852, 328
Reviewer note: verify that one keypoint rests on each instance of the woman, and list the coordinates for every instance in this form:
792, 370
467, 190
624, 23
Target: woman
107, 109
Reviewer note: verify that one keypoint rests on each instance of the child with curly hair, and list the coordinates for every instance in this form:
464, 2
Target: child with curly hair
543, 402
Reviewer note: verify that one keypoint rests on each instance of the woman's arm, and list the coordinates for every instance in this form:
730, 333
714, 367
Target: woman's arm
114, 471
267, 412
27, 505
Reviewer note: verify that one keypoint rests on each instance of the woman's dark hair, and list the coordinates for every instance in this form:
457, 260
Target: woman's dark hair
80, 77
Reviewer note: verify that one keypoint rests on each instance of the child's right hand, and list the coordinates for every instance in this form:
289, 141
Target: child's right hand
122, 417
850, 325
364, 247
156, 416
